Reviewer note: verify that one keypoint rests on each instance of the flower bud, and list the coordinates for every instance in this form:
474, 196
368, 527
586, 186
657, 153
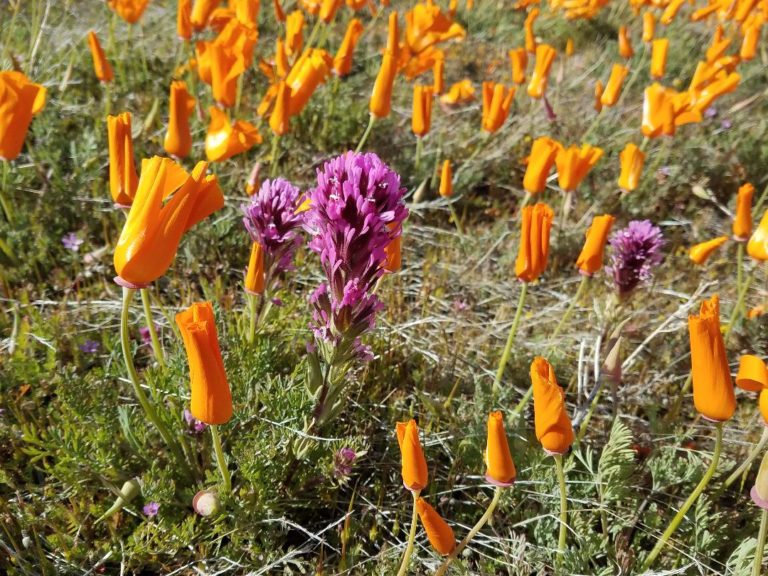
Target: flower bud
759, 492
131, 488
206, 503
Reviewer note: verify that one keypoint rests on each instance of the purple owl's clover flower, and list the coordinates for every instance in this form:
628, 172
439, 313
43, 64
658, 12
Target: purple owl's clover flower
636, 251
355, 211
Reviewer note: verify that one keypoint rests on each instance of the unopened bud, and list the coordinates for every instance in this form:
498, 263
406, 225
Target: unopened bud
612, 363
131, 488
206, 503
759, 491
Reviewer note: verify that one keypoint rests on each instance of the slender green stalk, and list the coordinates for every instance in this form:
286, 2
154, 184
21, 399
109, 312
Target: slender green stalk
756, 451
156, 347
368, 130
472, 533
313, 34
563, 507
411, 536
251, 318
757, 568
510, 338
274, 156
689, 502
740, 273
455, 218
221, 459
419, 152
568, 312
761, 200
4, 202
107, 98
735, 313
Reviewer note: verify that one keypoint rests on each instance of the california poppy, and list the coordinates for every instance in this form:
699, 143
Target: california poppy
545, 55
757, 247
393, 251
519, 59
598, 105
123, 179
497, 102
625, 44
591, 258
439, 533
649, 26
254, 276
438, 70
553, 426
279, 12
380, 104
530, 37
749, 44
308, 72
422, 110
328, 10
632, 160
294, 32
763, 405
342, 62
101, 66
533, 251
414, 465
201, 12
225, 139
279, 120
574, 163
20, 100
612, 91
129, 10
701, 252
670, 11
742, 222
540, 161
446, 179
498, 459
659, 48
658, 112
753, 374
184, 19
178, 137
459, 93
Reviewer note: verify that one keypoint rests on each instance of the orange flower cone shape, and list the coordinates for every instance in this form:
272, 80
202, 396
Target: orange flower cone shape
439, 533
422, 110
497, 102
184, 19
20, 100
763, 404
545, 55
356, 5
757, 247
659, 50
225, 139
534, 242
658, 112
101, 66
553, 426
519, 59
713, 91
712, 385
753, 374
178, 138
201, 12
279, 12
742, 222
751, 38
294, 32
671, 11
254, 276
279, 120
530, 36
246, 11
425, 27
459, 93
574, 163
632, 160
719, 45
282, 67
123, 179
342, 62
612, 91
414, 465
309, 71
625, 44
211, 400
591, 258
328, 10
446, 179
498, 459
380, 104
543, 153
311, 6
230, 56
438, 71
701, 252
598, 106
393, 250
649, 26
168, 202
129, 10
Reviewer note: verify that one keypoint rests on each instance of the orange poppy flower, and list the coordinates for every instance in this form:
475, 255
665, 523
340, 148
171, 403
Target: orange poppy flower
569, 49
201, 12
757, 247
439, 533
574, 163
612, 91
20, 100
211, 400
553, 426
459, 93
178, 137
309, 71
545, 55
254, 276
701, 252
342, 62
393, 251
533, 251
671, 11
414, 465
543, 153
497, 102
530, 36
101, 66
246, 11
632, 160
749, 43
184, 19
438, 70
625, 44
226, 58
225, 139
659, 49
328, 10
425, 26
422, 110
123, 179
719, 45
498, 459
598, 105
279, 120
649, 26
742, 223
356, 5
380, 104
129, 10
294, 32
446, 179
712, 385
753, 374
519, 59
658, 112
700, 101
168, 202
279, 12
591, 258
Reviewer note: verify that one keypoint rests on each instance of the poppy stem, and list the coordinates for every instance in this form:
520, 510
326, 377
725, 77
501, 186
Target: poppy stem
737, 308
7, 210
411, 536
456, 220
221, 459
368, 130
689, 502
510, 338
559, 469
419, 151
252, 317
740, 274
758, 565
750, 458
274, 155
568, 312
472, 533
156, 347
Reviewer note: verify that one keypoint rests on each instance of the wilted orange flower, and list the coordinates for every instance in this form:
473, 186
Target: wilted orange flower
649, 26
129, 10
184, 19
742, 223
553, 426
422, 110
168, 202
211, 400
101, 66
753, 374
659, 49
533, 251
519, 59
545, 55
530, 36
574, 163
612, 90
225, 139
757, 247
497, 101
701, 252
540, 161
279, 120
20, 100
749, 43
414, 465
440, 535
598, 105
254, 276
294, 32
459, 93
625, 44
632, 160
123, 179
342, 62
380, 104
670, 11
438, 83
498, 459
393, 251
201, 12
712, 385
591, 258
307, 73
446, 179
178, 137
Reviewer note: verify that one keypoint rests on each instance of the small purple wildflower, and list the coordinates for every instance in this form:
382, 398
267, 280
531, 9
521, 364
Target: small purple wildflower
71, 242
277, 302
710, 112
726, 124
343, 461
146, 335
665, 171
89, 347
194, 426
636, 250
150, 509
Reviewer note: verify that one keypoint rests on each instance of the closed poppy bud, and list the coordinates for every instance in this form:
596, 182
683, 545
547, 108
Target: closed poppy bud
101, 66
294, 32
178, 138
625, 44
20, 100
184, 19
422, 110
252, 184
749, 44
701, 252
414, 465
211, 400
225, 139
540, 161
307, 73
752, 375
545, 55
440, 535
649, 26
201, 12
342, 62
659, 50
712, 385
519, 59
612, 91
446, 179
279, 12
598, 106
393, 251
498, 459
632, 160
279, 120
254, 276
757, 247
530, 37
438, 84
671, 11
328, 10
380, 104
569, 50
533, 251
742, 223
123, 179
658, 112
129, 10
553, 426
574, 163
168, 202
759, 492
497, 102
591, 258
130, 489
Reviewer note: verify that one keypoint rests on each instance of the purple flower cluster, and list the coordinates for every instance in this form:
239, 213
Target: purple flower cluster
343, 461
636, 250
355, 211
194, 426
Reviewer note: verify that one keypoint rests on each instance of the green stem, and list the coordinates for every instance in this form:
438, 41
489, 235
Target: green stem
690, 502
419, 152
368, 130
750, 458
568, 312
472, 533
455, 218
510, 338
252, 318
156, 347
740, 271
4, 202
563, 507
758, 565
411, 536
220, 459
738, 307
274, 155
